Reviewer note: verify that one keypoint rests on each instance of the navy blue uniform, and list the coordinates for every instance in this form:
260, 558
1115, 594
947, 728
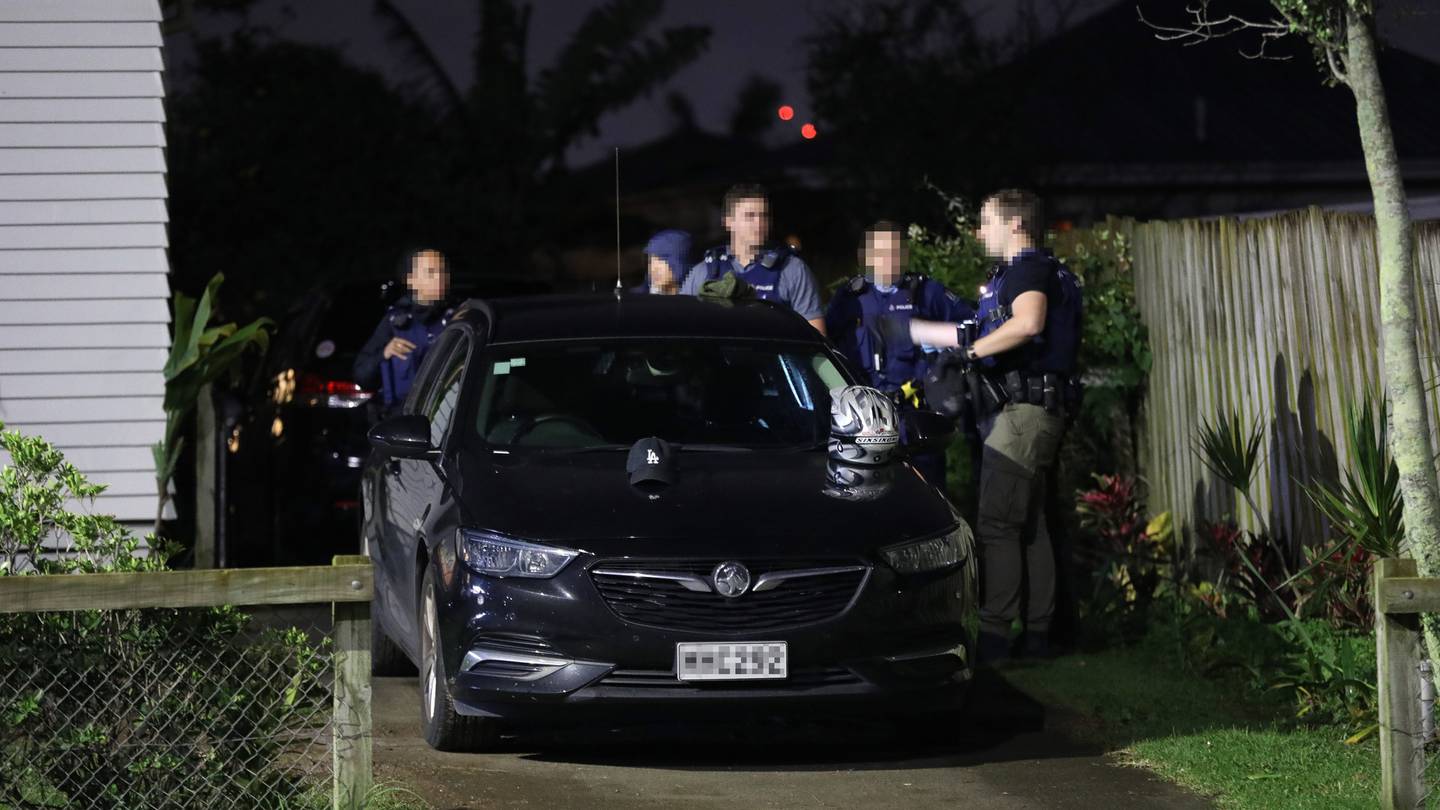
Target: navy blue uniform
1056, 347
853, 322
406, 319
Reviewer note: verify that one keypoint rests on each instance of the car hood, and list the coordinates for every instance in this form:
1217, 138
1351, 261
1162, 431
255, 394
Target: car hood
773, 503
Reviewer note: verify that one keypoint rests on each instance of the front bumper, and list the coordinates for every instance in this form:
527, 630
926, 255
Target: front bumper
522, 648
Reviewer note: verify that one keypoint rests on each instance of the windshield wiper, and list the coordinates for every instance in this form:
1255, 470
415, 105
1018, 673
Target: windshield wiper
714, 448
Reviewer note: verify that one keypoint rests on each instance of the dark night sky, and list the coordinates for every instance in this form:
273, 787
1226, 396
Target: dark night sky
749, 36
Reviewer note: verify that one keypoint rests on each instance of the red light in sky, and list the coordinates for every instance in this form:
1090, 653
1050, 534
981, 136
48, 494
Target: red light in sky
786, 112
808, 132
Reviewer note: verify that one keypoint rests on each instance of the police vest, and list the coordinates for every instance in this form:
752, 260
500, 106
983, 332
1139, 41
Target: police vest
397, 374
1062, 318
889, 366
763, 275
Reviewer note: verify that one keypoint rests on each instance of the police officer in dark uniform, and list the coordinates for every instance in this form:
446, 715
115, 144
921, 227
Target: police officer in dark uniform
854, 322
774, 273
391, 357
1024, 353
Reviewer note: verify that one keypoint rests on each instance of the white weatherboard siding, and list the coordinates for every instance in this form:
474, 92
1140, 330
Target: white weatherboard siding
84, 289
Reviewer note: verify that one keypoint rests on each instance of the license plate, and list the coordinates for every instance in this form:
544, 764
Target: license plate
730, 661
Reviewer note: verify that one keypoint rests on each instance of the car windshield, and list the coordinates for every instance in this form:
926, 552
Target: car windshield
696, 393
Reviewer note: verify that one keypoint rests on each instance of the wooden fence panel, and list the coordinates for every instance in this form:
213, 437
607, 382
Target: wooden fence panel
1278, 319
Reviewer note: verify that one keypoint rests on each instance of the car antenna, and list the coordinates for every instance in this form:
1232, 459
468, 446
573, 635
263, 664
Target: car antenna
617, 223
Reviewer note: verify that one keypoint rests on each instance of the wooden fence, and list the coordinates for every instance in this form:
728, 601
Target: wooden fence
348, 585
1278, 318
1406, 731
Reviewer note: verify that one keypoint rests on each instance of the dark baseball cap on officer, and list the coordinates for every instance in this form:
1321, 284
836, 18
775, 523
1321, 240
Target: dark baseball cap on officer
651, 460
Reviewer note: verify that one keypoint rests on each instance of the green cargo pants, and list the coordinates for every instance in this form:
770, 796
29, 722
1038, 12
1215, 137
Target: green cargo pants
1021, 445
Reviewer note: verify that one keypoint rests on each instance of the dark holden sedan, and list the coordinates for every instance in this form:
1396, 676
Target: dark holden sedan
627, 501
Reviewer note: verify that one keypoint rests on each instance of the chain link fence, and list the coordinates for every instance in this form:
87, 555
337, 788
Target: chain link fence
188, 708
194, 703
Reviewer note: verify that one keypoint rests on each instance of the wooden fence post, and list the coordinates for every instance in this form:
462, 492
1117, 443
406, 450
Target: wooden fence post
1402, 749
351, 729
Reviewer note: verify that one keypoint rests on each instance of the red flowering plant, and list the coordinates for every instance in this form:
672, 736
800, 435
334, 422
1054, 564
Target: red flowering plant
1128, 556
1253, 572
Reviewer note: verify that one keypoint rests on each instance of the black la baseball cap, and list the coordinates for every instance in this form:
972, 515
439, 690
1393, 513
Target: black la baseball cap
651, 459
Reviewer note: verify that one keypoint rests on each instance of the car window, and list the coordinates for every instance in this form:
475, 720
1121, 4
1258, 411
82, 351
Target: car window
696, 392
441, 404
422, 393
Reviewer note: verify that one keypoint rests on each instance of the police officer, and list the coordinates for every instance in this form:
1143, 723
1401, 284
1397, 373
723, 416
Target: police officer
391, 357
1028, 337
854, 321
774, 273
667, 257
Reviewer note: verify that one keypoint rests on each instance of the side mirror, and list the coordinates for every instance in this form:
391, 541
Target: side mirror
927, 430
403, 437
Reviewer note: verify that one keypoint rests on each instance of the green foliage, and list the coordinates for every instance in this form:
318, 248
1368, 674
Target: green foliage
1230, 450
36, 488
127, 708
1366, 510
1115, 338
1131, 561
199, 355
1325, 674
953, 256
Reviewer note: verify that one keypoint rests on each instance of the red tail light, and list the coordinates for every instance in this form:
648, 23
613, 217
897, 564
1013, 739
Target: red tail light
318, 392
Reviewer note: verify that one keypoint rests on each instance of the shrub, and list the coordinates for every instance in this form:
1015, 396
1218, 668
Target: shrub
122, 708
1130, 560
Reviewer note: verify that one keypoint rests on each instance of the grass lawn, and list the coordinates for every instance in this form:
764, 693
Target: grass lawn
1201, 734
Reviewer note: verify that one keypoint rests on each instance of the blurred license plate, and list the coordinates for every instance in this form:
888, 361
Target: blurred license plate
730, 661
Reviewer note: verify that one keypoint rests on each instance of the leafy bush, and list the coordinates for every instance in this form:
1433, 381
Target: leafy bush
1327, 675
124, 708
1130, 559
1115, 338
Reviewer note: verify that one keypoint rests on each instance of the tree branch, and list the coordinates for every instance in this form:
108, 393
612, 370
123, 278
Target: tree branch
1337, 68
1203, 28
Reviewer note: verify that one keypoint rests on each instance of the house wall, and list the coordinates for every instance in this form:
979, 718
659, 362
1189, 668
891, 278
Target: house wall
83, 269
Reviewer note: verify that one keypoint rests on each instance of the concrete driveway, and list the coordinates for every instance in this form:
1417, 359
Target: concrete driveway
1009, 755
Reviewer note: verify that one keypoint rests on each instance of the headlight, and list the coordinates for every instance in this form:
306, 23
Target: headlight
946, 551
497, 556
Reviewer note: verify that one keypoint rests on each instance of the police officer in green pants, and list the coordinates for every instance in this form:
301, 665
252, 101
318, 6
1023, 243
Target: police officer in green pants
1024, 354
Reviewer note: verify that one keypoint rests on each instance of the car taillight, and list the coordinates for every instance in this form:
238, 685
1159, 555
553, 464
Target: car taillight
318, 392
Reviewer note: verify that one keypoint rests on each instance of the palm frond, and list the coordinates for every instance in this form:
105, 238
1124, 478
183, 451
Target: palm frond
399, 30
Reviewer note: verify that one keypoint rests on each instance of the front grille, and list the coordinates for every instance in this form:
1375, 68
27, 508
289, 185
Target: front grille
671, 605
665, 679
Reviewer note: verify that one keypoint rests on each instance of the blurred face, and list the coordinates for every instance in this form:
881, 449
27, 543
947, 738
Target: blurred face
885, 256
748, 223
429, 278
1002, 237
661, 279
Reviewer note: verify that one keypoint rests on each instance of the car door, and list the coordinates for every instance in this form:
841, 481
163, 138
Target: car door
413, 486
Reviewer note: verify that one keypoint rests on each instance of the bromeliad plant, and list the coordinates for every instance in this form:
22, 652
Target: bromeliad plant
199, 355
